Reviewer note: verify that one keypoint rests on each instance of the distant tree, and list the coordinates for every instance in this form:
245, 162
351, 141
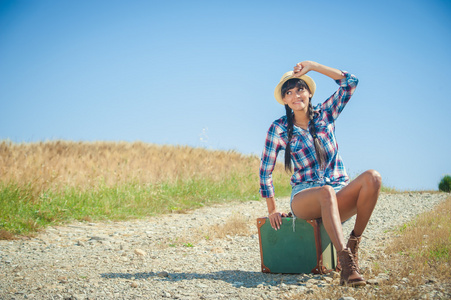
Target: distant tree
445, 184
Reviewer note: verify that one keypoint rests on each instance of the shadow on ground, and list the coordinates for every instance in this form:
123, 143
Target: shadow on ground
237, 278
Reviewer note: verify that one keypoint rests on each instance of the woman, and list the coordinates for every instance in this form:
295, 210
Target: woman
321, 187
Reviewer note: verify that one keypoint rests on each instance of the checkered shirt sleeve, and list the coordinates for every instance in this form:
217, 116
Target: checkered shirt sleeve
273, 144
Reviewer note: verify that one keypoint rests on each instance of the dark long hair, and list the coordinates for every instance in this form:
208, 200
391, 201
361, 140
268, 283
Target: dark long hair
319, 149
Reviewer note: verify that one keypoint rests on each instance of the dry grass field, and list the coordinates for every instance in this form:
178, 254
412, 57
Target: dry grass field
62, 164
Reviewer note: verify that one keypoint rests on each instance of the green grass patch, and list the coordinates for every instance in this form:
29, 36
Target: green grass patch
25, 212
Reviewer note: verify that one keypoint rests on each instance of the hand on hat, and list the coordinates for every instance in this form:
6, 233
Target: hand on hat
303, 68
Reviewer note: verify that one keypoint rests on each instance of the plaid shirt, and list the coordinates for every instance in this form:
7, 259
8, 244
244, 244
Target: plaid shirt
303, 155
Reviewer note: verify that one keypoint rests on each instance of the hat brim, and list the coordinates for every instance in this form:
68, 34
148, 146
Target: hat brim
287, 76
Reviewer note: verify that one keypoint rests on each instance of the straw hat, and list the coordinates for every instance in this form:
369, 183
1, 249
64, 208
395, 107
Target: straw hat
287, 76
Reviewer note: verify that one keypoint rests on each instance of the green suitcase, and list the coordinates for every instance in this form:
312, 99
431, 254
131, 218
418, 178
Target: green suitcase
299, 246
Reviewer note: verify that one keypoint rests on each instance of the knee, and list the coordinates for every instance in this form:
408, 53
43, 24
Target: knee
327, 195
373, 180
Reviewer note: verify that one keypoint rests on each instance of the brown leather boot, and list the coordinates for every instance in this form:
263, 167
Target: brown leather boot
349, 274
353, 244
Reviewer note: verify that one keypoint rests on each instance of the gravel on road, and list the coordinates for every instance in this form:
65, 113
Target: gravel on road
163, 257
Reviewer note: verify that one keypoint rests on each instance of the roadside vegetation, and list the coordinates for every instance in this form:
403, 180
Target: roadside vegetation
416, 263
49, 183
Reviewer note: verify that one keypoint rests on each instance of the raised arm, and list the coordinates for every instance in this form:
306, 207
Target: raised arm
307, 66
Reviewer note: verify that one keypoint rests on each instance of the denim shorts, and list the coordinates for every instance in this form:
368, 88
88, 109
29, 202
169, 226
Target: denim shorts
306, 185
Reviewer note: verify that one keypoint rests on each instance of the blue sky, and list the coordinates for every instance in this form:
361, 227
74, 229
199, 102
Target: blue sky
202, 73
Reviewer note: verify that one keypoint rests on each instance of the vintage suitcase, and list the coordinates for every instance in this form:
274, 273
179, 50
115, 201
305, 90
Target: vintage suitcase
299, 246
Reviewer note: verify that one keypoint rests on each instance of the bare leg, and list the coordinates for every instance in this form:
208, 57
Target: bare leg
360, 197
321, 202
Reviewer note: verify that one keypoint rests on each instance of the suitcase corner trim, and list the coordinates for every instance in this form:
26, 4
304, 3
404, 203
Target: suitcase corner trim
260, 223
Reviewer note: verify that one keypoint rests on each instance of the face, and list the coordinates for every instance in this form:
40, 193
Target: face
297, 98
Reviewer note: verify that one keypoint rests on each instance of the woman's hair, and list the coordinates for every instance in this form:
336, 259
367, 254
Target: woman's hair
320, 153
